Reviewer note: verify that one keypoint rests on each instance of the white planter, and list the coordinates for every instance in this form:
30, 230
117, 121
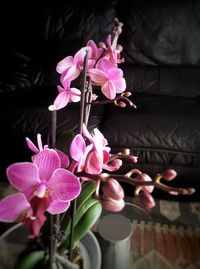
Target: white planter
91, 251
14, 240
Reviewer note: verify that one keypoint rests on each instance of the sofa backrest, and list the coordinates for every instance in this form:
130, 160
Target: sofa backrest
161, 41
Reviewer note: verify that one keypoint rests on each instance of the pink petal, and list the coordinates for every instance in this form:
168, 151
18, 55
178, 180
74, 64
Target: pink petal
93, 164
64, 185
72, 73
60, 89
113, 166
120, 85
66, 84
77, 147
82, 161
61, 100
97, 76
63, 158
47, 161
91, 64
79, 56
99, 138
115, 73
75, 95
39, 141
64, 64
109, 90
93, 51
109, 40
87, 134
23, 175
58, 207
12, 207
104, 65
31, 146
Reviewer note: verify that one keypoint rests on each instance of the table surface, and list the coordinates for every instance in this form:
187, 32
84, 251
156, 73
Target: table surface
168, 236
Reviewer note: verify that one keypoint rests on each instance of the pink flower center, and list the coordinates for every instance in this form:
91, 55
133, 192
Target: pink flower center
41, 190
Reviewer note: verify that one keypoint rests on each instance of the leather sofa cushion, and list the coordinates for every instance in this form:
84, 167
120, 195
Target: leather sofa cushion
163, 80
35, 37
161, 32
162, 130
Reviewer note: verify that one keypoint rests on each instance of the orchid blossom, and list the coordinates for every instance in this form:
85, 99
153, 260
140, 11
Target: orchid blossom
71, 67
66, 95
94, 52
16, 207
90, 158
109, 77
42, 185
113, 52
63, 157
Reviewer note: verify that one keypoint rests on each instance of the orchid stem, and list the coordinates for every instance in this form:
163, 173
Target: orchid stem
83, 117
54, 219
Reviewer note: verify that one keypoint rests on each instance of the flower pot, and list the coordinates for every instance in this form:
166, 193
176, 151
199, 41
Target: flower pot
91, 251
15, 239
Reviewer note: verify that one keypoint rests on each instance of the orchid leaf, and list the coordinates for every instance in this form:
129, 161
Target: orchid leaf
87, 221
80, 212
29, 261
88, 188
64, 141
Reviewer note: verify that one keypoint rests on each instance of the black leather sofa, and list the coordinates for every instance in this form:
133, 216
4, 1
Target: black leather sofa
161, 47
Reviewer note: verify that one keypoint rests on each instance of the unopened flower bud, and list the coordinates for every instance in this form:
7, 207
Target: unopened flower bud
119, 48
126, 151
146, 200
102, 45
145, 177
113, 189
112, 204
94, 96
121, 104
169, 174
127, 94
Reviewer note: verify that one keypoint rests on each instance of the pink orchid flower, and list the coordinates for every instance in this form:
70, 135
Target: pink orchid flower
45, 178
63, 157
109, 77
113, 51
90, 158
16, 207
66, 95
70, 67
94, 52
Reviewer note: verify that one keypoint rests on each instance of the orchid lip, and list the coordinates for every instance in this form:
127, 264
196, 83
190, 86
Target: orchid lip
41, 190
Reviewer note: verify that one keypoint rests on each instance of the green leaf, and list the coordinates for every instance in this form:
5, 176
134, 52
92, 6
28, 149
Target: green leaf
88, 188
29, 261
64, 141
80, 213
87, 221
